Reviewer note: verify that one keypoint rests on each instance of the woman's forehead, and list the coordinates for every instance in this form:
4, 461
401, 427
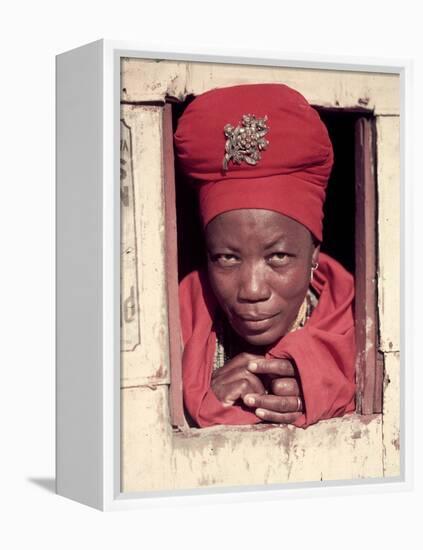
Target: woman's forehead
259, 224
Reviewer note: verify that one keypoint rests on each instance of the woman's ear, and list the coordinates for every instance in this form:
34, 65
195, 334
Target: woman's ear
315, 255
314, 261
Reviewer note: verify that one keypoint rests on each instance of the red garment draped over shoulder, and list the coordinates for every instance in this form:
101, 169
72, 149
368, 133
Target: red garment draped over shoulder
323, 350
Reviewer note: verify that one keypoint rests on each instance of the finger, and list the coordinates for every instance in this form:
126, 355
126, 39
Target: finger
238, 375
277, 418
234, 390
277, 367
275, 403
284, 386
240, 360
232, 393
249, 399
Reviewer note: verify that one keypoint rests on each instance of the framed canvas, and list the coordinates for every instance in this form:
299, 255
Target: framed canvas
129, 232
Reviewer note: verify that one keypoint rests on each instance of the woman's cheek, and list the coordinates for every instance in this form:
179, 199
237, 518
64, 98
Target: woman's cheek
292, 284
223, 288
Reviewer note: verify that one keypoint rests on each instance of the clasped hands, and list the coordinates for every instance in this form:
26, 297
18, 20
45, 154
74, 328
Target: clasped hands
267, 386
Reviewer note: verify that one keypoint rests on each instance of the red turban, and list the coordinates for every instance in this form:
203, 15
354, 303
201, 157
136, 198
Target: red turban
256, 146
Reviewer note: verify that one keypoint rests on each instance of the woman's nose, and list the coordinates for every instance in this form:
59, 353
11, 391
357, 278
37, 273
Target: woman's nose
252, 284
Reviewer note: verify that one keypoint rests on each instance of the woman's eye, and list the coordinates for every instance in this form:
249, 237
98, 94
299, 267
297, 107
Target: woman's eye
278, 258
225, 260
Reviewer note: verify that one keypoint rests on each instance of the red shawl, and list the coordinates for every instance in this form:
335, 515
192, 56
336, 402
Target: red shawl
323, 351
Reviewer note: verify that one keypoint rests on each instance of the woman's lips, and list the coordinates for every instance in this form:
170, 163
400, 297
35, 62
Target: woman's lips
256, 318
255, 323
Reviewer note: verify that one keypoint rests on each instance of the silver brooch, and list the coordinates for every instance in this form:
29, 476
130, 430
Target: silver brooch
245, 141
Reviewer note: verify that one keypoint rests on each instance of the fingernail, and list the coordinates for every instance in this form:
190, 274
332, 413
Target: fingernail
249, 400
260, 412
252, 366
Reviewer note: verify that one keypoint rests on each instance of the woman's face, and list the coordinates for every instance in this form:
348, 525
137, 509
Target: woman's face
259, 265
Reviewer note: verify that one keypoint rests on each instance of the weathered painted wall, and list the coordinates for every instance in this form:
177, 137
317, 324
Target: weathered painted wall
154, 457
147, 362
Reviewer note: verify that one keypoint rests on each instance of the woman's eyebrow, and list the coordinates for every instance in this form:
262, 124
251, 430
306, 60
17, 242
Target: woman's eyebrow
281, 239
222, 247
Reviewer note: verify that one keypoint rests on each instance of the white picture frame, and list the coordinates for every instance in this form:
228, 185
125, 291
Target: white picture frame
88, 278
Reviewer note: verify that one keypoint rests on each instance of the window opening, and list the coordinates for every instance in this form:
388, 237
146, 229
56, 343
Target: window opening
349, 236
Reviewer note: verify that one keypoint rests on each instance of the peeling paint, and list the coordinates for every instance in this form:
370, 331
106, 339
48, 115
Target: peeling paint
368, 418
160, 373
391, 416
203, 481
364, 101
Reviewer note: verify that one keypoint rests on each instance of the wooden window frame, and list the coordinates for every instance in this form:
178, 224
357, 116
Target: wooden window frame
369, 365
176, 405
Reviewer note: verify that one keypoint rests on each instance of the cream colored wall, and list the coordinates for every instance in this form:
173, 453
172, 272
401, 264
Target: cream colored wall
154, 457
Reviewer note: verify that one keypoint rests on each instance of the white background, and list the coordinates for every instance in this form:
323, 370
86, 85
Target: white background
32, 33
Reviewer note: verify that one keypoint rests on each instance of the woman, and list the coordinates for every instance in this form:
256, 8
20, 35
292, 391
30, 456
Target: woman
268, 329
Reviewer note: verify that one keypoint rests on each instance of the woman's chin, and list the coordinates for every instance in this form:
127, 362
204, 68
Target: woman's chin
260, 333
265, 338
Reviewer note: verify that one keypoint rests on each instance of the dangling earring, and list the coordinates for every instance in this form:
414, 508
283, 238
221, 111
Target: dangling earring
314, 266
